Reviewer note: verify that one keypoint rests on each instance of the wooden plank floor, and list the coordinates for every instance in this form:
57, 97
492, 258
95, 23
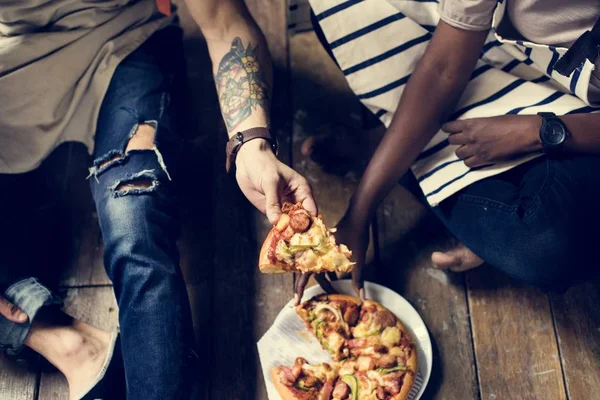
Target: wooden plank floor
493, 338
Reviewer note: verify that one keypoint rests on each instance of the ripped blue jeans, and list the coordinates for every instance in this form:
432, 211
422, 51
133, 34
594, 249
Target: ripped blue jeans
138, 216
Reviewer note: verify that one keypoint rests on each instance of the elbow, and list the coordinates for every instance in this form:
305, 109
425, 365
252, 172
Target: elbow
215, 26
443, 68
222, 20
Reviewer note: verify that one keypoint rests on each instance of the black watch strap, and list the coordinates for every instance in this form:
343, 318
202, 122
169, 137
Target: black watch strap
239, 139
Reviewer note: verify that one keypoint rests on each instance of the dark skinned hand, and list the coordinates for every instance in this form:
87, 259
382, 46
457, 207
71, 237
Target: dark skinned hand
484, 141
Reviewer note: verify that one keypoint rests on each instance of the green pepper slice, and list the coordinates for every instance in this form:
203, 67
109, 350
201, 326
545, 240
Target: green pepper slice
384, 371
300, 385
352, 382
320, 336
300, 247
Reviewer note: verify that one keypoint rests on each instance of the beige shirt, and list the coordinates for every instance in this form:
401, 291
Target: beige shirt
550, 22
56, 62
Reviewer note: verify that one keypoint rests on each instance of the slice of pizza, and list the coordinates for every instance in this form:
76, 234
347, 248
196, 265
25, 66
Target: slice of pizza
384, 351
360, 380
330, 317
302, 243
303, 381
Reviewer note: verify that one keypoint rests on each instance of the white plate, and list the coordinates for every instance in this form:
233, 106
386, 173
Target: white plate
287, 338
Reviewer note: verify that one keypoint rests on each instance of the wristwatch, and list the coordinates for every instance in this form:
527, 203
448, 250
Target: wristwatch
239, 139
553, 132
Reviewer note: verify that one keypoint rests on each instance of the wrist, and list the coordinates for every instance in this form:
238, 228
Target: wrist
533, 141
254, 148
251, 141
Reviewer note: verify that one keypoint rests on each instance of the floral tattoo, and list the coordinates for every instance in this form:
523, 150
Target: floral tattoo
240, 84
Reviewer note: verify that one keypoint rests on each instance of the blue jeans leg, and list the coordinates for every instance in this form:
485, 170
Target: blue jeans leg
537, 223
140, 225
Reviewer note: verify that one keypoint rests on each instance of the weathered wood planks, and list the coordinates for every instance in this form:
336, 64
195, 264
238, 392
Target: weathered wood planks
577, 319
515, 343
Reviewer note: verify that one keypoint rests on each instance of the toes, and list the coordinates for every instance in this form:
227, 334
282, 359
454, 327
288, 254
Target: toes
308, 146
459, 260
468, 260
445, 260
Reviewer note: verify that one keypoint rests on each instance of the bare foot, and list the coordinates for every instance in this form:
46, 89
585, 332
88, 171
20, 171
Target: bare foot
86, 359
459, 259
78, 350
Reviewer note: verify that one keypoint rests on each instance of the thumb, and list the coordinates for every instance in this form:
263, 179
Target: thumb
12, 312
272, 206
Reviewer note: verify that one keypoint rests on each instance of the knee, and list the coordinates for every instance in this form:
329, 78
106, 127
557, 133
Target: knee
139, 227
137, 210
122, 220
132, 190
139, 154
140, 243
545, 259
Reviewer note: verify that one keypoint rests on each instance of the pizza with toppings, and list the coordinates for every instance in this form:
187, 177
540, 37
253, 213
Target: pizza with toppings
330, 318
303, 381
300, 242
375, 356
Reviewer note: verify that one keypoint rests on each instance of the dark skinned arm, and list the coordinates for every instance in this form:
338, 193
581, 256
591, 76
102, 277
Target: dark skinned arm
431, 93
584, 132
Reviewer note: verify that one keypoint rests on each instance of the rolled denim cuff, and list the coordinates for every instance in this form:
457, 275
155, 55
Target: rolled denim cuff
30, 296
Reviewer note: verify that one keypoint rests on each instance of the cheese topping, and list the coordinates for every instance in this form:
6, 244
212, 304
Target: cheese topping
364, 329
325, 306
347, 368
390, 336
314, 250
321, 372
334, 341
374, 376
283, 253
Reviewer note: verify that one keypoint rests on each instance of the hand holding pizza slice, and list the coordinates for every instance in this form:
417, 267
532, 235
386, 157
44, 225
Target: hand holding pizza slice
302, 243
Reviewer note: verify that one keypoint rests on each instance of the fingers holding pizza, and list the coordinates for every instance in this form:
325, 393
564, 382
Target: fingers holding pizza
321, 279
267, 182
356, 237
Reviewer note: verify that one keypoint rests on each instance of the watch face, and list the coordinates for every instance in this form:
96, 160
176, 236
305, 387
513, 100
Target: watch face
554, 133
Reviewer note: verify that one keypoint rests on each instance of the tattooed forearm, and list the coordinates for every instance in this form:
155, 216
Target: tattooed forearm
240, 84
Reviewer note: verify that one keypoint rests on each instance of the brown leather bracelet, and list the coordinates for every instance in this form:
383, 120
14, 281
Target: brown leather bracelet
236, 141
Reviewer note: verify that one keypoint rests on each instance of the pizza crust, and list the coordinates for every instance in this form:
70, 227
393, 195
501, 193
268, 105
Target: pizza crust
407, 385
265, 265
283, 390
411, 363
337, 297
